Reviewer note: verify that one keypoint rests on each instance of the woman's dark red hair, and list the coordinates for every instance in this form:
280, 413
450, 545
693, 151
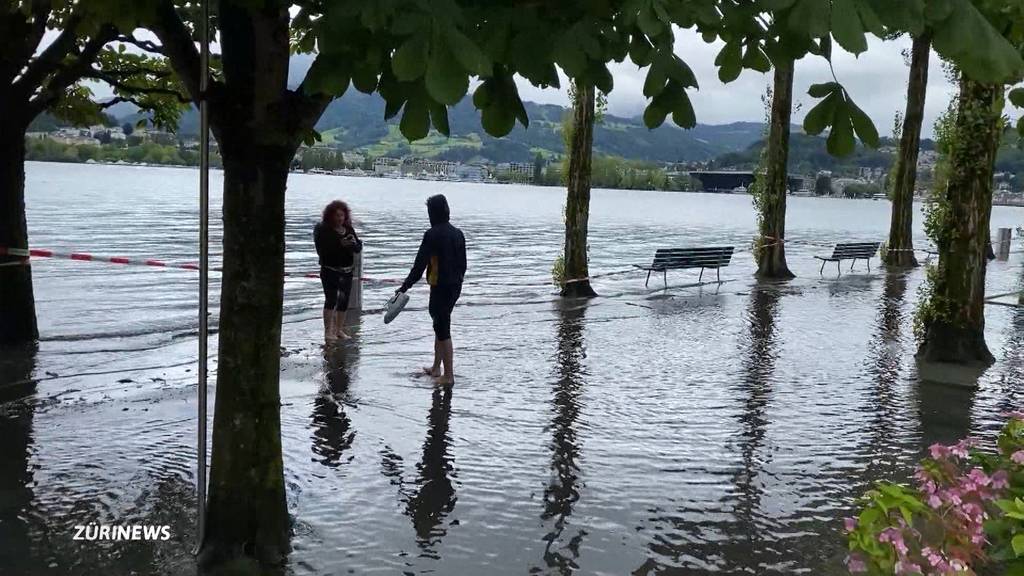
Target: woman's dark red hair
331, 208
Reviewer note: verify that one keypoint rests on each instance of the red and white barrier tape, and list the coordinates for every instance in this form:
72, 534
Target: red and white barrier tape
86, 257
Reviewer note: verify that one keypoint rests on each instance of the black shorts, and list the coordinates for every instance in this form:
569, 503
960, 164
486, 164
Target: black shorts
442, 301
337, 287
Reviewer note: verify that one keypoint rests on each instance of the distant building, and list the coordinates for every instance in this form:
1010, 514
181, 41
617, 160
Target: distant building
514, 170
471, 172
352, 158
730, 180
385, 165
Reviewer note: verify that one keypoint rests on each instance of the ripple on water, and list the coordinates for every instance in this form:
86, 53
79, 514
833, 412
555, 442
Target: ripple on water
691, 430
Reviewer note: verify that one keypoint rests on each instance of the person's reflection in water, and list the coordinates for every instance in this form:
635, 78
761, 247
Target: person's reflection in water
17, 392
332, 428
434, 498
563, 491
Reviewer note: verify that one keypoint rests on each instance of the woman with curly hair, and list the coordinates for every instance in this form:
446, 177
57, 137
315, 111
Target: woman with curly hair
336, 245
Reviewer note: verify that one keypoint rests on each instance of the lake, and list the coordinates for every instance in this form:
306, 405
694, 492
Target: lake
687, 430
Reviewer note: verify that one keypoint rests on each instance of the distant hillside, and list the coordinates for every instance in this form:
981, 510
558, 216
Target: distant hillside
808, 155
356, 122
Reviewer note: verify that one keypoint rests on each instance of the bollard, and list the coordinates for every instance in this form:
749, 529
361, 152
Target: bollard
355, 297
1003, 243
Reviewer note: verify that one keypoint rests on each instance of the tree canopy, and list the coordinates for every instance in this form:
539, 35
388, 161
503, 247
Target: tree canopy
420, 56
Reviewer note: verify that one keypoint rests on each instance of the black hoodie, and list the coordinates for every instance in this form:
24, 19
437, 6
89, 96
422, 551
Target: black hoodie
442, 252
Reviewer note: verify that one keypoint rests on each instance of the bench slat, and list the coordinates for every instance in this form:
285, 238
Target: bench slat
704, 257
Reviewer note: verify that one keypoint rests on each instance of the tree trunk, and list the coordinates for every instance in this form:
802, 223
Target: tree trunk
17, 303
248, 514
900, 249
955, 326
771, 256
577, 205
253, 118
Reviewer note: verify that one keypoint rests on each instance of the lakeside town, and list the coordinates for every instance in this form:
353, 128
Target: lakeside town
146, 146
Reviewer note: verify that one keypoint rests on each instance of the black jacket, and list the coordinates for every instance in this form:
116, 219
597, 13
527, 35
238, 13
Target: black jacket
442, 252
330, 248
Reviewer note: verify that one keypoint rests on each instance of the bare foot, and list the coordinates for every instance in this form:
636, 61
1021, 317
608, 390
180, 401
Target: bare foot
330, 338
432, 371
446, 379
343, 336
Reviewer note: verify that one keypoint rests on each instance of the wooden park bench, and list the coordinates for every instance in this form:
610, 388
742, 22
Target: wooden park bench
850, 251
666, 259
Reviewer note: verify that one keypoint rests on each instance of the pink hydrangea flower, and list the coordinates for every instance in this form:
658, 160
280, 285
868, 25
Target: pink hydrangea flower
850, 524
978, 476
938, 451
1017, 457
1000, 480
1014, 415
855, 564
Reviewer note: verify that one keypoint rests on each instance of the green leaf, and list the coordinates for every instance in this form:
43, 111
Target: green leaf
446, 81
640, 50
654, 115
483, 96
819, 117
938, 10
415, 123
846, 26
810, 17
1018, 544
439, 118
729, 62
649, 22
870, 19
497, 121
392, 107
683, 115
1016, 97
775, 5
755, 59
655, 81
841, 143
469, 55
568, 54
680, 71
987, 57
601, 78
822, 90
410, 60
863, 125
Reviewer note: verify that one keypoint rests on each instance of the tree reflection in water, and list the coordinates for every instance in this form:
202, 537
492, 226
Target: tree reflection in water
563, 490
17, 395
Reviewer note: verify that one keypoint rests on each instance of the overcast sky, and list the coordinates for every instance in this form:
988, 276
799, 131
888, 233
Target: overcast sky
877, 80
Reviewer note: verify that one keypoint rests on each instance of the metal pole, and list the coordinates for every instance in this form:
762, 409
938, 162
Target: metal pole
204, 268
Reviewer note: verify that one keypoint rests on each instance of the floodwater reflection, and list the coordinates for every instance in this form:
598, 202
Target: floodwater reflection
16, 477
434, 498
332, 428
563, 489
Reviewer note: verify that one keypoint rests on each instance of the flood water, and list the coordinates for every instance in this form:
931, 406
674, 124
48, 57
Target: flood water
688, 430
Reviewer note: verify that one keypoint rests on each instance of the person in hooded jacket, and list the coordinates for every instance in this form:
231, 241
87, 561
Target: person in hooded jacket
442, 254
